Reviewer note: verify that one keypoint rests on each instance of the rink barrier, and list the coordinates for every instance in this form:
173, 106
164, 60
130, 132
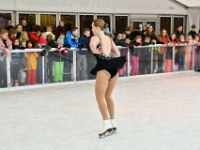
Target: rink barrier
74, 50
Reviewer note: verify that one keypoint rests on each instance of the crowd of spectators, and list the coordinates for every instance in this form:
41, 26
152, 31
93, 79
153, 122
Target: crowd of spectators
26, 68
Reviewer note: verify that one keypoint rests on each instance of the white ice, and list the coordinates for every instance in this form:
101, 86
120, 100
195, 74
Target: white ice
152, 113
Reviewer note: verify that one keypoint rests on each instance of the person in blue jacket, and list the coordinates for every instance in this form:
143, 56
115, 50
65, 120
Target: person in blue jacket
72, 40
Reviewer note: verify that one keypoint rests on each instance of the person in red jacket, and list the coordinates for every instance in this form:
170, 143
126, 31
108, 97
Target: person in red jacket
34, 35
60, 29
162, 38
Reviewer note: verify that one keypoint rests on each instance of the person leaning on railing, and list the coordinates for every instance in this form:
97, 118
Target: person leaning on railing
6, 48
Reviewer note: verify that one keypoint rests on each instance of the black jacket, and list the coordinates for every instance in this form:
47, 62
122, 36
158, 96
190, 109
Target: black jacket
192, 33
9, 27
135, 32
84, 41
151, 35
120, 43
27, 29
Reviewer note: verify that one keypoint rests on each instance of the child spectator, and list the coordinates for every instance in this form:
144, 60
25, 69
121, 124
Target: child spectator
193, 31
107, 30
19, 30
12, 34
22, 66
164, 38
49, 30
15, 63
61, 39
145, 57
34, 36
5, 46
31, 64
81, 59
42, 40
128, 32
119, 41
188, 52
197, 54
43, 44
123, 36
24, 36
181, 52
135, 55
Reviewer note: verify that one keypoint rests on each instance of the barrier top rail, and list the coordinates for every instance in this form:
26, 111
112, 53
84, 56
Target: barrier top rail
71, 49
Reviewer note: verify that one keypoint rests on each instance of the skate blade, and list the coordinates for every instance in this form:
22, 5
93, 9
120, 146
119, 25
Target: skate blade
106, 133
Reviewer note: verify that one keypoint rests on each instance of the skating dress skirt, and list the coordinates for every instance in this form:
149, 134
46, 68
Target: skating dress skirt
107, 63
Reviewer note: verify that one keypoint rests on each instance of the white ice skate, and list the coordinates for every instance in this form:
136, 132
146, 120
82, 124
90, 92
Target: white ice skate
114, 125
106, 130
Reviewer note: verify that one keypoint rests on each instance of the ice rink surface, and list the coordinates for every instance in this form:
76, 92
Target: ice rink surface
152, 113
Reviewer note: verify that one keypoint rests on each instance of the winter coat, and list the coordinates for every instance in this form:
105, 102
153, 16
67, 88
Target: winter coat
192, 33
32, 60
151, 35
3, 47
165, 40
33, 37
136, 32
120, 43
71, 40
59, 30
181, 50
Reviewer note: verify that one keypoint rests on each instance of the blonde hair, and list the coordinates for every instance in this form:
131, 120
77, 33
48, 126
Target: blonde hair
111, 35
99, 23
21, 36
3, 31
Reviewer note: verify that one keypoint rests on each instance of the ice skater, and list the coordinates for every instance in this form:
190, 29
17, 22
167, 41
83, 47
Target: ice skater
106, 71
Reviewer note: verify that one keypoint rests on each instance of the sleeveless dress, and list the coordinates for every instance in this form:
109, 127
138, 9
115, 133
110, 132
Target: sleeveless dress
107, 62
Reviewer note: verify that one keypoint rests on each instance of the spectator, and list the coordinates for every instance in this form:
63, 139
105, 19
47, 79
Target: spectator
181, 52
107, 30
135, 55
123, 36
150, 33
9, 25
199, 33
144, 29
5, 46
71, 38
12, 34
61, 39
23, 37
188, 52
128, 31
49, 29
164, 38
193, 31
136, 32
19, 30
34, 35
179, 31
22, 65
15, 63
119, 41
81, 59
24, 26
60, 29
31, 64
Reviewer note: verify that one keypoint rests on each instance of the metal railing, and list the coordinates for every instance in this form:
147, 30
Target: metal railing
74, 52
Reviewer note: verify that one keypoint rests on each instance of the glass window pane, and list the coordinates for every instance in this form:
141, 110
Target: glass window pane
48, 19
105, 18
178, 22
69, 20
30, 18
121, 22
138, 25
86, 22
4, 17
165, 24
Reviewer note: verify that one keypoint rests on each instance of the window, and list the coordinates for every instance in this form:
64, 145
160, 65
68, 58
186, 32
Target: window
30, 18
4, 17
106, 19
48, 19
165, 24
138, 24
178, 22
121, 22
85, 22
69, 20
